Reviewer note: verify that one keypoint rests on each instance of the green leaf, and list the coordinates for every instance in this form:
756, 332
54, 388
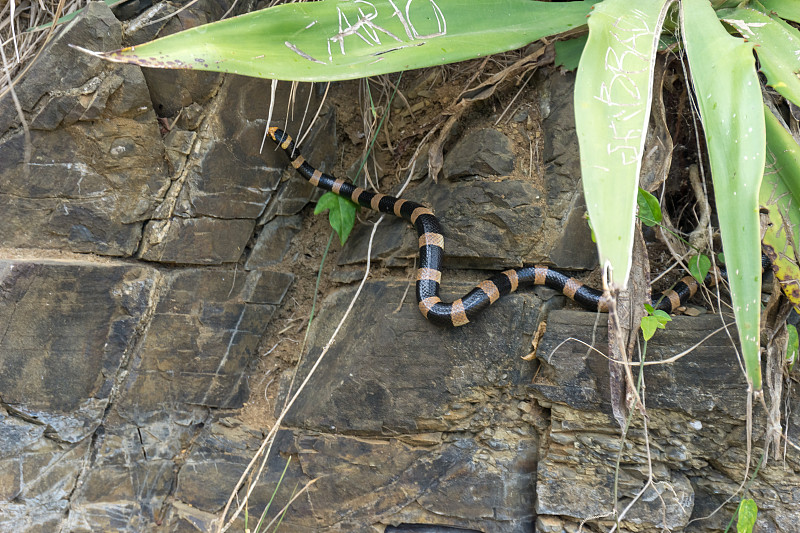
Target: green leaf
339, 39
568, 53
649, 208
613, 91
591, 229
699, 265
788, 9
649, 327
777, 48
728, 95
719, 4
663, 316
779, 197
746, 520
342, 213
654, 320
792, 347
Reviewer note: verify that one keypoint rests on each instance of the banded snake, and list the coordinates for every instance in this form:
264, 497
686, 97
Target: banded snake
431, 253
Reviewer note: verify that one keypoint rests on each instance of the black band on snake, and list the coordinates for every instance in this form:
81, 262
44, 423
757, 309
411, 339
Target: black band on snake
431, 253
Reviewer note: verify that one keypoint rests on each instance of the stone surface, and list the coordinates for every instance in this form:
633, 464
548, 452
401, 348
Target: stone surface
564, 196
435, 370
402, 449
385, 479
392, 481
503, 222
121, 379
200, 339
86, 182
173, 90
108, 373
588, 376
574, 248
484, 152
69, 329
202, 240
696, 407
223, 181
71, 326
38, 480
280, 220
274, 240
486, 224
191, 360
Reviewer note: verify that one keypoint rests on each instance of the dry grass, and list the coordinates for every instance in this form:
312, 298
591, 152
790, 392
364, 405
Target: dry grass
18, 44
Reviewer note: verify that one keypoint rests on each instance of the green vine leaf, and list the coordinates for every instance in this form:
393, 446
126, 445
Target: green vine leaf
699, 265
746, 520
341, 213
649, 208
654, 320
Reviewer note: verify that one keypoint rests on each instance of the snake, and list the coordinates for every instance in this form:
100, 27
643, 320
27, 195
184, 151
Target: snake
431, 254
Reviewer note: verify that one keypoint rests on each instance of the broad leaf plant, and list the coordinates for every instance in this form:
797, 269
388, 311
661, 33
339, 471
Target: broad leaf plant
725, 42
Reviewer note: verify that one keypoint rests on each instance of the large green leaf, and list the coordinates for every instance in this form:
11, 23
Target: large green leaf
337, 39
568, 53
612, 108
780, 196
788, 9
778, 47
728, 95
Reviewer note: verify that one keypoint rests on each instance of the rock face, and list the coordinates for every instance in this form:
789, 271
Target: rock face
143, 260
81, 182
112, 362
505, 221
695, 432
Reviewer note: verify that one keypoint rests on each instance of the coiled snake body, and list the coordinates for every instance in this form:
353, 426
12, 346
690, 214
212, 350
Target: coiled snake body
431, 253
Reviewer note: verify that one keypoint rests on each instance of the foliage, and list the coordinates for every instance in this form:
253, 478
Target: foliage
728, 95
779, 198
655, 319
337, 40
341, 213
746, 521
612, 108
331, 40
568, 53
792, 347
699, 265
649, 208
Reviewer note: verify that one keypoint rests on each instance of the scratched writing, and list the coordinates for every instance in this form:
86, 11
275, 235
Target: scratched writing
362, 20
407, 20
629, 68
